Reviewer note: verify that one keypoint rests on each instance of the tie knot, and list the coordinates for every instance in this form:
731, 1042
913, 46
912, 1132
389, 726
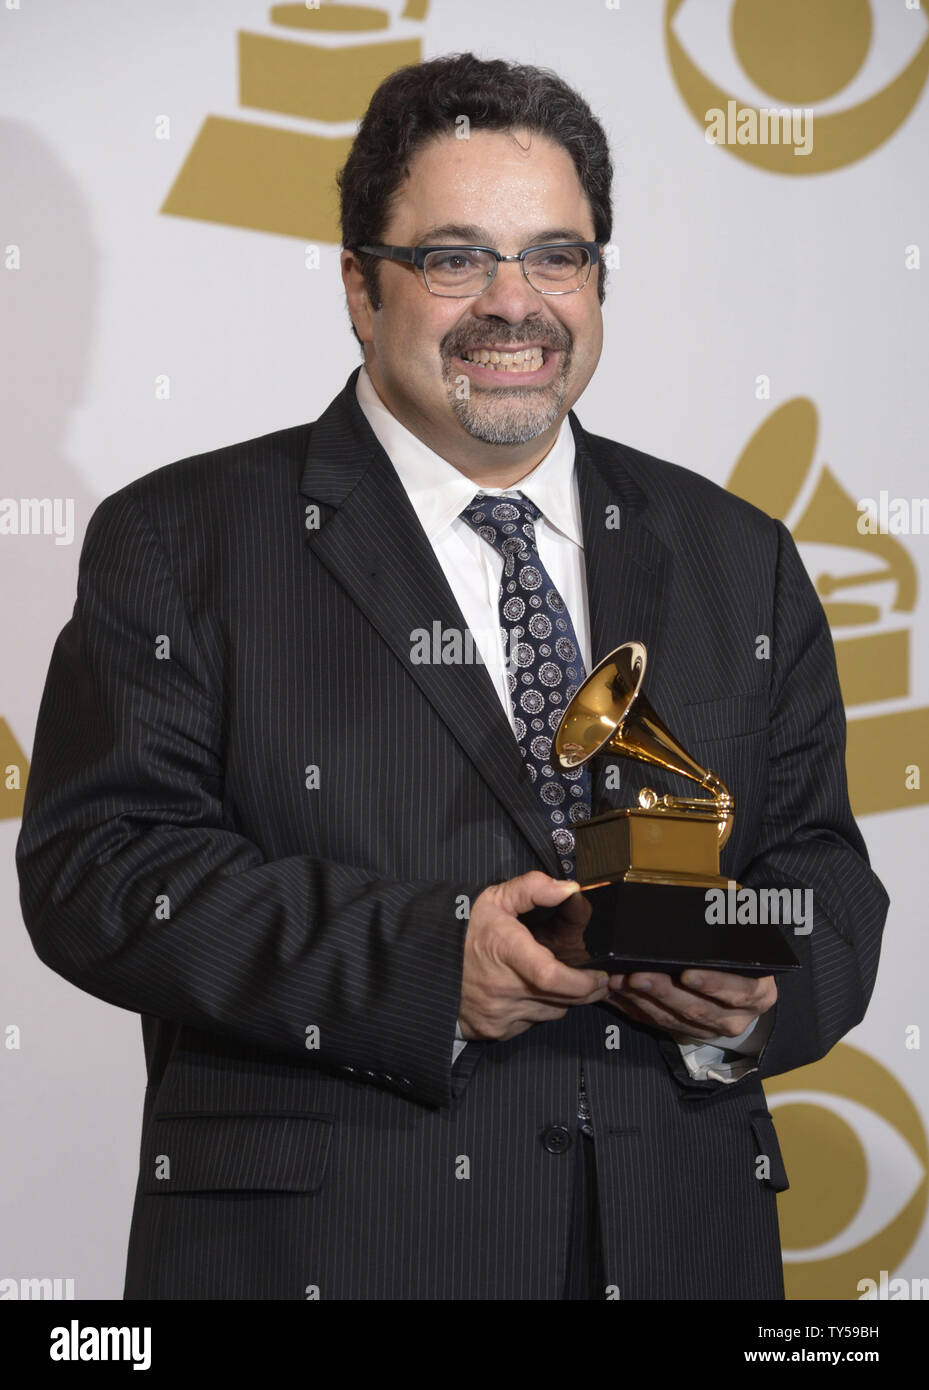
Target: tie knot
506, 522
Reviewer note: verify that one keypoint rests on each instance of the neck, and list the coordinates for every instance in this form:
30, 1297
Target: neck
493, 471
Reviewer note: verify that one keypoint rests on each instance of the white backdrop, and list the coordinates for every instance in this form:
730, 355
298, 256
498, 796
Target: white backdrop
728, 275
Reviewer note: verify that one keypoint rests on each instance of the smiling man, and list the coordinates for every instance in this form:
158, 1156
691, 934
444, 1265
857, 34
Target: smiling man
302, 855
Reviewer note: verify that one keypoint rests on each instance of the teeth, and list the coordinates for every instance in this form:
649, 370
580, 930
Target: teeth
519, 360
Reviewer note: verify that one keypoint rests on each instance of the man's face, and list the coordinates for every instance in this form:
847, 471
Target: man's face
505, 191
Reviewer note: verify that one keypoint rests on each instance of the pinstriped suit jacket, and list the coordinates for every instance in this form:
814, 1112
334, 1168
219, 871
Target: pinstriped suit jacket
253, 820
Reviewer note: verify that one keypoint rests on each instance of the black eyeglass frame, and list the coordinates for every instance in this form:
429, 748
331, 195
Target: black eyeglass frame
416, 256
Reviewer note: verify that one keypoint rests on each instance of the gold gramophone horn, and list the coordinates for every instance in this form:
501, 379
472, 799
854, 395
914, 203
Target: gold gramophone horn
610, 714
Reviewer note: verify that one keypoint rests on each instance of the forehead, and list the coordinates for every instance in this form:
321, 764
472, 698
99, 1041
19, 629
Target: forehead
495, 184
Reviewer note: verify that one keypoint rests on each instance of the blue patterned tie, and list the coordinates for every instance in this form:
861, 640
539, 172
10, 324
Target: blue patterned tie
545, 664
545, 669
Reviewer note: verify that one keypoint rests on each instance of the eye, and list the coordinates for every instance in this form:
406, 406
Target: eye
829, 57
558, 256
452, 262
568, 256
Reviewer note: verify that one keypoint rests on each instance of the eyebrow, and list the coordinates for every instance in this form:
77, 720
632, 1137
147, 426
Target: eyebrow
470, 235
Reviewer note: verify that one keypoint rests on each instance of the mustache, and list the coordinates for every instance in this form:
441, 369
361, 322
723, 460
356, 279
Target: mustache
557, 341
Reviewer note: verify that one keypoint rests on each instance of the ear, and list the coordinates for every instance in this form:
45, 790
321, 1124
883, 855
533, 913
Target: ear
356, 296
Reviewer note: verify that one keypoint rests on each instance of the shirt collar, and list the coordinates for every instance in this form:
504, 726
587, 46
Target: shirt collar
439, 492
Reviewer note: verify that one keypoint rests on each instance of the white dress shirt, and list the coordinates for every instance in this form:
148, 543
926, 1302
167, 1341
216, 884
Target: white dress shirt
438, 493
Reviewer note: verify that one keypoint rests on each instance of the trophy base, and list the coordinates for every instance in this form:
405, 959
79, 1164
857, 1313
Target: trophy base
643, 923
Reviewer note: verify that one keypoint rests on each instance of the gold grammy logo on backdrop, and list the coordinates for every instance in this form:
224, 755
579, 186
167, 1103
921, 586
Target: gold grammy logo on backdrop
248, 173
864, 582
803, 52
841, 1224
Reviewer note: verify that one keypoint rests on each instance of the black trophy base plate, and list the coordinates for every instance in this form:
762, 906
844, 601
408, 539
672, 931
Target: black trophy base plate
663, 928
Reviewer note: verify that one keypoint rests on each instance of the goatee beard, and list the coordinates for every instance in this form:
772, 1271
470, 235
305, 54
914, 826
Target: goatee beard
525, 417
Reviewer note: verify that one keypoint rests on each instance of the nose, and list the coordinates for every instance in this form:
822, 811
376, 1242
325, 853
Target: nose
509, 296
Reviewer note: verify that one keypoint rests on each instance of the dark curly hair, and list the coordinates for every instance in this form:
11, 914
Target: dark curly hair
416, 103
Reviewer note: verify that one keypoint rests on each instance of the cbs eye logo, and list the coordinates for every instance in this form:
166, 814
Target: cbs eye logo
847, 71
857, 1157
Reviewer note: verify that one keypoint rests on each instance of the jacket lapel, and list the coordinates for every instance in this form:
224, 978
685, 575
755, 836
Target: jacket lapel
627, 565
371, 541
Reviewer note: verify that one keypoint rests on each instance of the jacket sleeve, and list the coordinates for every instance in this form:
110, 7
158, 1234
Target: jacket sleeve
809, 840
135, 886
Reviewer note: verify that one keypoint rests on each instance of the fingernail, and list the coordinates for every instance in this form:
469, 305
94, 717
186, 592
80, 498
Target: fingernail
616, 981
644, 983
695, 980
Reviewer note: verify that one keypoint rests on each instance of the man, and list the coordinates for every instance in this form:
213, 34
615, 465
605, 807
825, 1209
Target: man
267, 815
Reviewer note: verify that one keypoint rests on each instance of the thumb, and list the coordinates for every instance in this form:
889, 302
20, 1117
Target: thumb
535, 889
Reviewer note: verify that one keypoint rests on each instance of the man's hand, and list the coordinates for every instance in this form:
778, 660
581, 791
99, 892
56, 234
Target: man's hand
510, 980
700, 1004
563, 933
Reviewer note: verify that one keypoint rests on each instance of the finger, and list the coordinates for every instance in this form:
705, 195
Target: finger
569, 952
644, 1010
594, 996
574, 911
592, 986
738, 991
701, 1008
534, 889
565, 942
699, 1011
546, 977
559, 931
662, 998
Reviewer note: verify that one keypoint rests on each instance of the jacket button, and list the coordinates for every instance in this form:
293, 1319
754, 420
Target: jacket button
346, 1070
404, 1083
556, 1139
370, 1076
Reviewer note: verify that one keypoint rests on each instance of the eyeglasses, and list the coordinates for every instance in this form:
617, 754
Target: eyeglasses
461, 272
